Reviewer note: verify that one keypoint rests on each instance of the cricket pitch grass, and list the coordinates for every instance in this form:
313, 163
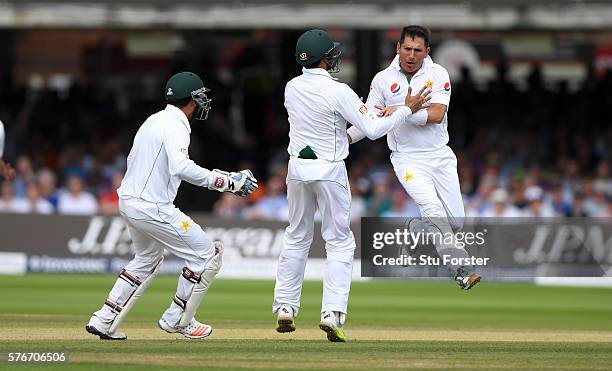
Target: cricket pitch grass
391, 325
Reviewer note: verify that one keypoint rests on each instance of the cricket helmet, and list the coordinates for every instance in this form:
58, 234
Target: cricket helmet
315, 45
185, 85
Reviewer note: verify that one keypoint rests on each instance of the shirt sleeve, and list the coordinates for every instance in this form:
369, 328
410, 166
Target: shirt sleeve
441, 89
177, 149
356, 112
375, 97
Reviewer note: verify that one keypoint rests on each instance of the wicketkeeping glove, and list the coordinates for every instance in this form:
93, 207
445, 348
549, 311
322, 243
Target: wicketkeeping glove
240, 183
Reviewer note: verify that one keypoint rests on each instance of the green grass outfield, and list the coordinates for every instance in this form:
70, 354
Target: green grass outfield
391, 324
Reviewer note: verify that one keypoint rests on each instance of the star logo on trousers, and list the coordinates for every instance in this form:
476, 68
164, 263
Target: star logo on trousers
408, 175
185, 225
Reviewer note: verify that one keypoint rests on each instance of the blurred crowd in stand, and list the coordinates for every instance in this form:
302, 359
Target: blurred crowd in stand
536, 151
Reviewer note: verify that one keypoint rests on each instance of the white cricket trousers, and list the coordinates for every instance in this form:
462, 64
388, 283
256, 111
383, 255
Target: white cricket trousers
153, 228
333, 199
431, 180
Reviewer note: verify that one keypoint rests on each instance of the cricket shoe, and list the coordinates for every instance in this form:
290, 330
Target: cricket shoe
331, 325
285, 320
100, 328
465, 279
194, 330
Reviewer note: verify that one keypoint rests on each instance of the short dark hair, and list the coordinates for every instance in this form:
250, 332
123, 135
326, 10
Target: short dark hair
180, 103
415, 31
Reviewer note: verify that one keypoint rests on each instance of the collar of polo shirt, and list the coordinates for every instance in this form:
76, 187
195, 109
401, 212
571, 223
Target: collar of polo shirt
317, 71
180, 115
427, 62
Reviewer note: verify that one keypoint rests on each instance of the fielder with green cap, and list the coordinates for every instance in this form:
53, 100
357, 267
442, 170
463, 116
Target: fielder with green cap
319, 108
157, 163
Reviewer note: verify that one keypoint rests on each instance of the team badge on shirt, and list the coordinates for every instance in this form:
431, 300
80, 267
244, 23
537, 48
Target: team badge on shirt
429, 84
363, 109
447, 87
408, 175
185, 225
395, 87
185, 152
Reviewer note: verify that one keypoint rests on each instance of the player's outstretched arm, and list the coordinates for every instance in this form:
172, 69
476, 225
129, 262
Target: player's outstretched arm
428, 113
374, 127
240, 183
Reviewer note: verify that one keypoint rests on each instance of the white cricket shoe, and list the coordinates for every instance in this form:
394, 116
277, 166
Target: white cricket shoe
466, 279
100, 328
285, 320
332, 325
194, 330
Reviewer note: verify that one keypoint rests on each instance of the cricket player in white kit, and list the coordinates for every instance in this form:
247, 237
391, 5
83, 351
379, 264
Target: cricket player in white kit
5, 169
157, 163
423, 163
319, 108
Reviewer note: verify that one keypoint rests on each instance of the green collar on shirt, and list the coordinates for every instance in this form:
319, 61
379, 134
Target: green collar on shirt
408, 77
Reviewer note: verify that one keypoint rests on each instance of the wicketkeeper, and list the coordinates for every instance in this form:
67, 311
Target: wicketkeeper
157, 163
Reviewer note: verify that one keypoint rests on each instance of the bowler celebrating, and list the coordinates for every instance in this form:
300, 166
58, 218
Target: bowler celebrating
424, 164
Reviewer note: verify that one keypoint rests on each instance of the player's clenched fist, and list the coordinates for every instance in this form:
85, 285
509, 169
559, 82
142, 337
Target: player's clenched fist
240, 183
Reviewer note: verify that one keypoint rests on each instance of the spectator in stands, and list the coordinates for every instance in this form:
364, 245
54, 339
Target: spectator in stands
560, 205
600, 205
109, 200
25, 175
230, 206
9, 203
590, 206
609, 203
603, 181
35, 204
578, 206
499, 206
380, 200
536, 205
402, 205
358, 202
75, 200
273, 205
46, 184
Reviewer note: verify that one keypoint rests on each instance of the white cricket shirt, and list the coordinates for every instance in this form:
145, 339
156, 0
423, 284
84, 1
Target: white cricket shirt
319, 107
159, 159
389, 88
